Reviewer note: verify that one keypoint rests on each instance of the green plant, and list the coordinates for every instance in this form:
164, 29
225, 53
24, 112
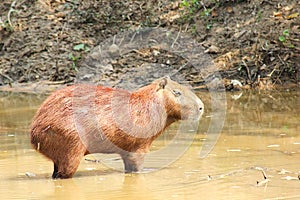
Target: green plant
6, 25
284, 38
74, 60
191, 10
206, 12
259, 16
190, 7
81, 47
77, 56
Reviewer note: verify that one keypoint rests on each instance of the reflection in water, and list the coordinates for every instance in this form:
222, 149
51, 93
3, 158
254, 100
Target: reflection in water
261, 132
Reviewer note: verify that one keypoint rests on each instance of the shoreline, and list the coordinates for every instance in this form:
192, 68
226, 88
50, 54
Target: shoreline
47, 87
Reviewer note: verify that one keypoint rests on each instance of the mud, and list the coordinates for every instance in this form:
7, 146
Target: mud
255, 42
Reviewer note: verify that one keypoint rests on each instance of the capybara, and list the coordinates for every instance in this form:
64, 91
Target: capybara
85, 119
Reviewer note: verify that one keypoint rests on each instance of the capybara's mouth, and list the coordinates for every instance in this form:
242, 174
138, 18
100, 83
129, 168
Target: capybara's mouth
193, 116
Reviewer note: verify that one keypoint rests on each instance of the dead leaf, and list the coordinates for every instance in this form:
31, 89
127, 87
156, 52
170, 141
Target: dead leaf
212, 49
227, 60
229, 9
277, 14
214, 13
292, 16
288, 8
170, 16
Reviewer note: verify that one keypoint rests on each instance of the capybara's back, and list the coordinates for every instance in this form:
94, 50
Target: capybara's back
84, 119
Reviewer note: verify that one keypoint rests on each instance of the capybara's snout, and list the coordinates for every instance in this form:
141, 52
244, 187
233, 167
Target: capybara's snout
196, 112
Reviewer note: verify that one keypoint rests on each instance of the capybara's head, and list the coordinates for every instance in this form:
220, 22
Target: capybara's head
179, 100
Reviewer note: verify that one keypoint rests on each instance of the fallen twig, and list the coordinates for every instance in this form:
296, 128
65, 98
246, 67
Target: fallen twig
92, 160
264, 181
11, 9
7, 77
176, 38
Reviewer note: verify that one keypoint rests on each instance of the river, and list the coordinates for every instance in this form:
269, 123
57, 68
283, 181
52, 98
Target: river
261, 135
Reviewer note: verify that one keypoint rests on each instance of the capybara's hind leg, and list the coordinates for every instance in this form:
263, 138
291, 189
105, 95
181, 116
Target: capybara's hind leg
55, 170
133, 162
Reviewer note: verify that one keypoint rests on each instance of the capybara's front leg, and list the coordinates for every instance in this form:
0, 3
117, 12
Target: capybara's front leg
66, 168
133, 162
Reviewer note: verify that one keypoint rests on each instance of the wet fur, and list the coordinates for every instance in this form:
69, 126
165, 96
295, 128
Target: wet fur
83, 119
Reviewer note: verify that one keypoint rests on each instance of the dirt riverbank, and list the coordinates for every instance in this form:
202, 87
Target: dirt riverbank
255, 43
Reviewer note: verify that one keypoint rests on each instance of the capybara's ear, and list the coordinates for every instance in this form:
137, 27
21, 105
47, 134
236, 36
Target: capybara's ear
163, 82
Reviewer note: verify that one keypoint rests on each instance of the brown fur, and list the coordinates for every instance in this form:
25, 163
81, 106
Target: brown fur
83, 119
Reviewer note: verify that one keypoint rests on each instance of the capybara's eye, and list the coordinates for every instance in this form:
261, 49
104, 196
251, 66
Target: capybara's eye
177, 93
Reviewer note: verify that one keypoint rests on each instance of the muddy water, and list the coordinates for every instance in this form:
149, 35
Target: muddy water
261, 134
